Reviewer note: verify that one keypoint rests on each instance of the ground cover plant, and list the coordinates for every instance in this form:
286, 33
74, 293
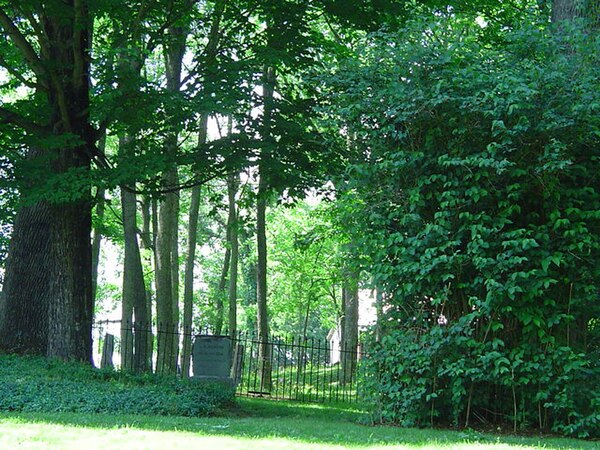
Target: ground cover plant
33, 384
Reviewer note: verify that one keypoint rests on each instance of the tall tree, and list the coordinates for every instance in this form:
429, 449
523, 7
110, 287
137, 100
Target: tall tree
97, 233
262, 318
349, 340
232, 188
60, 268
167, 268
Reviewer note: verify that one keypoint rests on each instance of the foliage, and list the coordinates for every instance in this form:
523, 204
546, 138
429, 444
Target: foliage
478, 200
7, 207
46, 385
304, 275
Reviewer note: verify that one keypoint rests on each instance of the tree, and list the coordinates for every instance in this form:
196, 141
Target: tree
349, 338
573, 9
304, 269
167, 279
232, 188
50, 254
133, 354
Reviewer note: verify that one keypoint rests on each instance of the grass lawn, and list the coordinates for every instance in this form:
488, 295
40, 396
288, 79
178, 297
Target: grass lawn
255, 424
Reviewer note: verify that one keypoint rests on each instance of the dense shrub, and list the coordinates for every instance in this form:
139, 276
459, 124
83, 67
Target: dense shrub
477, 206
38, 384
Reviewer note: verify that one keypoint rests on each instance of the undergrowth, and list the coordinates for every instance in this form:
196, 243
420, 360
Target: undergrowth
34, 384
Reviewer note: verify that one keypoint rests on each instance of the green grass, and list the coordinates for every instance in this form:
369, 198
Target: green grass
254, 424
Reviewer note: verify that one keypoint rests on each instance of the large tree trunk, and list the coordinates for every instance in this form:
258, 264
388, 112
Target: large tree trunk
148, 242
64, 276
264, 350
175, 273
24, 328
131, 276
134, 311
71, 307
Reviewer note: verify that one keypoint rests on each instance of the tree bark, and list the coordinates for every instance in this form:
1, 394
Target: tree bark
261, 229
264, 353
350, 329
134, 290
147, 242
24, 328
175, 272
166, 359
232, 187
97, 241
134, 312
167, 274
220, 294
71, 307
61, 268
567, 9
97, 236
188, 282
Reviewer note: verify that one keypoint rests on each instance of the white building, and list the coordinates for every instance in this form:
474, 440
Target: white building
367, 315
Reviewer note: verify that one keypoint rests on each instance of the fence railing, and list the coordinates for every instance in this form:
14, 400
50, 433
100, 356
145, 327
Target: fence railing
280, 367
302, 369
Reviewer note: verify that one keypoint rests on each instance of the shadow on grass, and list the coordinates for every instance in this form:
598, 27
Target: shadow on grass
309, 423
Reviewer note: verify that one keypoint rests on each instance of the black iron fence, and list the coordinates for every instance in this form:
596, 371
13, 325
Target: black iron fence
298, 368
280, 367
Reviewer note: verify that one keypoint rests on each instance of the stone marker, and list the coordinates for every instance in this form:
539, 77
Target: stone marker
211, 358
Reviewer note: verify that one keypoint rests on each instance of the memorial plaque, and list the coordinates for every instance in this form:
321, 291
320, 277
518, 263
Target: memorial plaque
211, 357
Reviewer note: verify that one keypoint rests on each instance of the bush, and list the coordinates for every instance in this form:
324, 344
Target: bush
476, 207
446, 376
41, 385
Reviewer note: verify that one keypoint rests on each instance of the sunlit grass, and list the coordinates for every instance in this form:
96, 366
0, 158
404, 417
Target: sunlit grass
312, 382
254, 424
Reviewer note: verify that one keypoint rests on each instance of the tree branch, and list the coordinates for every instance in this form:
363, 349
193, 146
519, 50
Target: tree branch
198, 181
8, 116
24, 46
37, 29
11, 69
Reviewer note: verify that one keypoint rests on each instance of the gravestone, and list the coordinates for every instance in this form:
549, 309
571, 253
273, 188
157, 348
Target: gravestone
211, 359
